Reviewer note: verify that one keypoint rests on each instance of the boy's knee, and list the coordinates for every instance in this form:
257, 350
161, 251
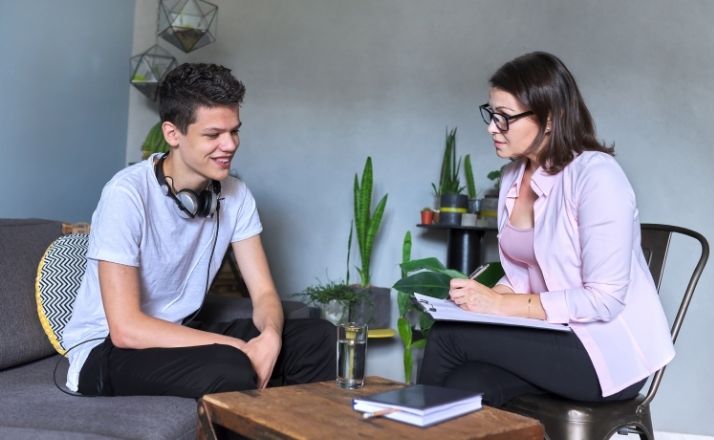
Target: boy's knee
227, 369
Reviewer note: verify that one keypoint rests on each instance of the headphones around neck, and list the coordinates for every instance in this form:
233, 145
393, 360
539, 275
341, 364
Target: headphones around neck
190, 204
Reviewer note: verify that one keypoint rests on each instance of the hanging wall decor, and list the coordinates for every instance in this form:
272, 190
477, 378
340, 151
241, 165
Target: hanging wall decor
187, 24
149, 68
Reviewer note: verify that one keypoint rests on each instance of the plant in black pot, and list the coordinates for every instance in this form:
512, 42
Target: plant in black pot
452, 203
374, 304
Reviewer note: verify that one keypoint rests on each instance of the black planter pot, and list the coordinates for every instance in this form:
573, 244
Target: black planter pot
374, 307
451, 207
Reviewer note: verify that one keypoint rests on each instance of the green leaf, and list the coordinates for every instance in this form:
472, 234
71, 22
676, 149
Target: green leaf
421, 343
405, 332
154, 141
469, 172
428, 283
406, 250
425, 323
453, 273
349, 251
404, 301
430, 263
372, 229
408, 362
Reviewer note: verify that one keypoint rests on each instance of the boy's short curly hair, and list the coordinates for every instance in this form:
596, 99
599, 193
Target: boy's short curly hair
191, 85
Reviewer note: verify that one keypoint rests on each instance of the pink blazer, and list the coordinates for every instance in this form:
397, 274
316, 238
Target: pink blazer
587, 244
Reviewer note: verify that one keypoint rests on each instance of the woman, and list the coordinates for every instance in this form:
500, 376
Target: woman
569, 243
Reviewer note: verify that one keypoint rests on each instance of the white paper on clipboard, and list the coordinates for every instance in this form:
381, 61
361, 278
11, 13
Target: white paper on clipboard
446, 310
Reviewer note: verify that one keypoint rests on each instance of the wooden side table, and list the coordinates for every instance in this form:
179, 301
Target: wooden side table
463, 249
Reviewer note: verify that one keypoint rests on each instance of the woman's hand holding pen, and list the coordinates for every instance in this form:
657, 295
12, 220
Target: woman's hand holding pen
475, 297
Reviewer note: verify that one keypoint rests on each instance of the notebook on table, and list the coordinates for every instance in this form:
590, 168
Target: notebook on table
420, 405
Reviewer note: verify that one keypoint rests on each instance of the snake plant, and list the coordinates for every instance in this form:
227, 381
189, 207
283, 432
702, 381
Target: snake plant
366, 222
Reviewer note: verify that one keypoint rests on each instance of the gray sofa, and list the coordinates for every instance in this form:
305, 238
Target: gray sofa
31, 407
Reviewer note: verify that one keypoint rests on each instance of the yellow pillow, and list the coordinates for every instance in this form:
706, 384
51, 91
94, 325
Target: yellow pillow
59, 275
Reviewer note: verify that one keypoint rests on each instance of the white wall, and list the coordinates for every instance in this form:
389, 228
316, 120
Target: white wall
333, 81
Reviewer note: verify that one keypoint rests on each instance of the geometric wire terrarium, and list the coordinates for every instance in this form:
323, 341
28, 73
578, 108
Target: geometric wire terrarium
149, 68
187, 24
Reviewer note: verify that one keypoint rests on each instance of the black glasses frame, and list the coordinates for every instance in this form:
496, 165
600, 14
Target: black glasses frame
488, 115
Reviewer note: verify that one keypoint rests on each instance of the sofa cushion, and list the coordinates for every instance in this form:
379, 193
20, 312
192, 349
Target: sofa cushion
59, 275
31, 402
22, 244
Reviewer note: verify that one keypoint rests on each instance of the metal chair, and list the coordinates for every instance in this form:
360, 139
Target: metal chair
566, 419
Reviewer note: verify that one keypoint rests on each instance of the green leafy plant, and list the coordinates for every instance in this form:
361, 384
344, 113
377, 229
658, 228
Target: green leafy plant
154, 141
410, 316
324, 292
469, 173
495, 177
427, 276
366, 222
413, 323
321, 293
449, 182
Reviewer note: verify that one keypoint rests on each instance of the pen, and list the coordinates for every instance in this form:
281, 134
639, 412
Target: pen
379, 413
481, 269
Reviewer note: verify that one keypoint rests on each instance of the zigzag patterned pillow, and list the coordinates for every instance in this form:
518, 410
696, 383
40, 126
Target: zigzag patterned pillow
59, 275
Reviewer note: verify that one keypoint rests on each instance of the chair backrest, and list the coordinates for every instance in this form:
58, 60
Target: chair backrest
655, 245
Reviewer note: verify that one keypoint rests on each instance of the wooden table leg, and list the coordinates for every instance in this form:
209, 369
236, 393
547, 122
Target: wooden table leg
206, 430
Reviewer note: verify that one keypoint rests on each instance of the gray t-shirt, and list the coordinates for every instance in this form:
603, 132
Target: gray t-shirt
135, 224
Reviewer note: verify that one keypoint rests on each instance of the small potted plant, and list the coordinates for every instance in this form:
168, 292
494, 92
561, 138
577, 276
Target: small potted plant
332, 297
427, 216
452, 203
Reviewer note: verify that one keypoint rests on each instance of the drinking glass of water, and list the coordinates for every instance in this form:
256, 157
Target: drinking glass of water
351, 354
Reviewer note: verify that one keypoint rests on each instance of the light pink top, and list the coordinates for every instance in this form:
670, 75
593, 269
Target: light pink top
586, 241
518, 245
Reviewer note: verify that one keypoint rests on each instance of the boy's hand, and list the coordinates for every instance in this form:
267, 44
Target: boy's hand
263, 352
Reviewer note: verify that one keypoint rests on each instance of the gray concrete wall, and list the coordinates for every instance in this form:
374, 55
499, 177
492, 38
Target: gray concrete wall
64, 74
333, 81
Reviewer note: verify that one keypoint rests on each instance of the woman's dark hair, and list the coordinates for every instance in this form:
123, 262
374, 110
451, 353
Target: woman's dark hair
542, 83
191, 85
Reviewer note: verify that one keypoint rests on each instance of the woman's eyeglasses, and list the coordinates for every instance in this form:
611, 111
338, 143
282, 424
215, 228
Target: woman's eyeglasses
500, 119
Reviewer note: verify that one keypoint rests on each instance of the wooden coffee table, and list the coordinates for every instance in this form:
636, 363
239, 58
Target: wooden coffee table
322, 410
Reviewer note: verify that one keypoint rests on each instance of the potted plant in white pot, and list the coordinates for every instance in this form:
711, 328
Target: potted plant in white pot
334, 298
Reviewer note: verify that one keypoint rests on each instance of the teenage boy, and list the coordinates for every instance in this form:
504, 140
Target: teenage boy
158, 237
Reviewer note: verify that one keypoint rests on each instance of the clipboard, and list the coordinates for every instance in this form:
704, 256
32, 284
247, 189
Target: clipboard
446, 310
